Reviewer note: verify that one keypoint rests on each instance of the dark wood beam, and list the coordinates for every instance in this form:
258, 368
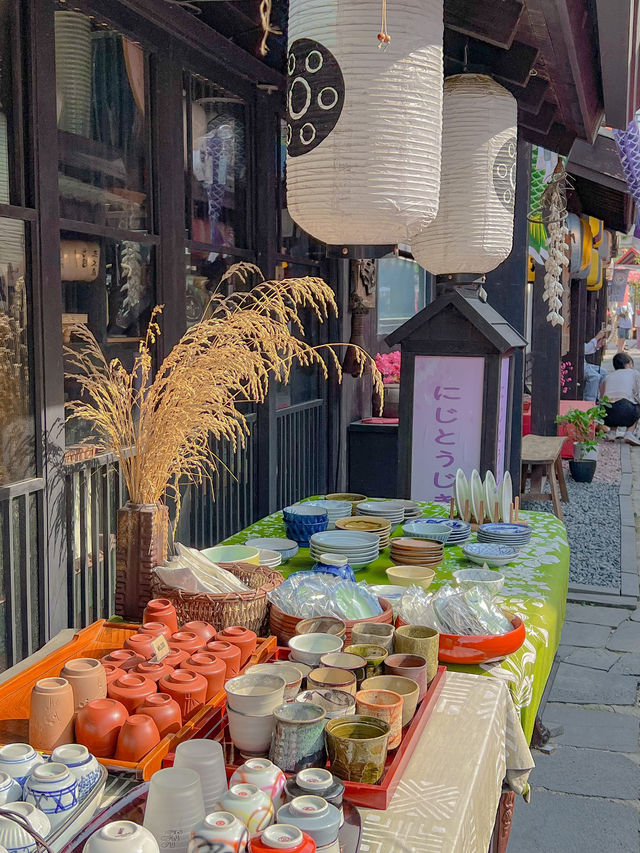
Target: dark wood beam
558, 139
546, 350
541, 121
531, 96
512, 65
494, 23
616, 32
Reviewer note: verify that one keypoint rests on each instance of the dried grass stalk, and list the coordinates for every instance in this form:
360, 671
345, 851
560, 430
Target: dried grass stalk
226, 359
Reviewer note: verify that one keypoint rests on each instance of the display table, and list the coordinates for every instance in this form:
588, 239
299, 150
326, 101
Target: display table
535, 589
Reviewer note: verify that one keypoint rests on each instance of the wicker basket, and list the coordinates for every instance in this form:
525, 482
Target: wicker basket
249, 609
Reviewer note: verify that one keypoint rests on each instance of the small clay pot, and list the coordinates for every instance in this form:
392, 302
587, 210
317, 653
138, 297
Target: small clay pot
212, 668
98, 725
125, 659
175, 658
51, 714
161, 610
87, 678
153, 671
137, 737
202, 629
141, 644
131, 689
189, 689
186, 641
164, 711
243, 638
155, 629
227, 652
112, 672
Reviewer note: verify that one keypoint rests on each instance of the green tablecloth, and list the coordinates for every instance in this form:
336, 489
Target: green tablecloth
535, 589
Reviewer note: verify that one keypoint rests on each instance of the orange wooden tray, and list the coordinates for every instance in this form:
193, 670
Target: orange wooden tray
95, 641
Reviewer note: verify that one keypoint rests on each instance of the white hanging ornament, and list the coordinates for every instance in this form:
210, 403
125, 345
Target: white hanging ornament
557, 246
473, 231
364, 124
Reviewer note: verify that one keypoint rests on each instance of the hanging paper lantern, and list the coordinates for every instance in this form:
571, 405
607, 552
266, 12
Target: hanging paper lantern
364, 124
473, 230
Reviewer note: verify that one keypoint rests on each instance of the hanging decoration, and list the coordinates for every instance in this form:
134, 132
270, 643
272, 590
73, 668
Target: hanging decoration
267, 27
554, 201
473, 230
364, 125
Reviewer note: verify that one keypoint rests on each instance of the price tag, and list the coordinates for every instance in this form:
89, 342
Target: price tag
160, 647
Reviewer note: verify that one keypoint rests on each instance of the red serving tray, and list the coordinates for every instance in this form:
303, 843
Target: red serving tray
214, 726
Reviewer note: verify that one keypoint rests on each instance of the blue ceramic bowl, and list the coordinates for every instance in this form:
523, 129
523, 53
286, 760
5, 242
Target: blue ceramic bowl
301, 533
303, 514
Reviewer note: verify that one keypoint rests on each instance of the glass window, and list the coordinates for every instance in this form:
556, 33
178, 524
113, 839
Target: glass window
102, 123
17, 443
215, 136
401, 292
203, 273
7, 106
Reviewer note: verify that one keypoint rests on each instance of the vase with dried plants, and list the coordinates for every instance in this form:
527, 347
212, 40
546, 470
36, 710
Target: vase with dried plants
162, 427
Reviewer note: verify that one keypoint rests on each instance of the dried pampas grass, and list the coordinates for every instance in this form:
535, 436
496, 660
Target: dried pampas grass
160, 426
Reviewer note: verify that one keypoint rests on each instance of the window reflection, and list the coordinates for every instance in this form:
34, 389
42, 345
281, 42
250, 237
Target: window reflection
401, 292
293, 242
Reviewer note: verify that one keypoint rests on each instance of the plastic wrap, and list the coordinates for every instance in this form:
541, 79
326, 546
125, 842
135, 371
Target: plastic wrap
309, 594
453, 610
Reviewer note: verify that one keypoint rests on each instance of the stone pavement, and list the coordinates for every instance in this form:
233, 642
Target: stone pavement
586, 790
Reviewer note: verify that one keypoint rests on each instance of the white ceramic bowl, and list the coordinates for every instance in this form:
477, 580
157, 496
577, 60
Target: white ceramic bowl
309, 648
490, 580
36, 818
232, 554
121, 836
251, 734
255, 693
411, 575
290, 673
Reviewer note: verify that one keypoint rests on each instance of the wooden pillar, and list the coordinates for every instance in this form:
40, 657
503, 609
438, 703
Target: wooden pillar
546, 350
578, 336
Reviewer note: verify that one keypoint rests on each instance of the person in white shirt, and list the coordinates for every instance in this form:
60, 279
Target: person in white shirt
622, 390
593, 373
625, 324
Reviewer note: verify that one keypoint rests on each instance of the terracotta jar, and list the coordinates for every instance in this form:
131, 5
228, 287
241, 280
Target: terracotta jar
87, 678
187, 641
51, 714
141, 644
112, 672
161, 610
98, 725
153, 671
243, 638
227, 652
175, 658
131, 689
123, 658
155, 628
189, 689
202, 629
213, 669
164, 711
137, 737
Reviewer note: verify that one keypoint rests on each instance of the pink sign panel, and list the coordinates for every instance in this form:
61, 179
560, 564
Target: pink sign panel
502, 417
447, 423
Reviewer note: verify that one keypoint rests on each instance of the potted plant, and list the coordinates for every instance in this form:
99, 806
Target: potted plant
584, 428
389, 366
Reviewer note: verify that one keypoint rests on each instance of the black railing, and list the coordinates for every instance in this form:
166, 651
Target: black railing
302, 452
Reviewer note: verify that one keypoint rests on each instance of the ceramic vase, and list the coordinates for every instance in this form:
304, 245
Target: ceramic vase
124, 659
87, 678
282, 837
10, 789
142, 533
98, 725
264, 774
210, 667
51, 714
186, 641
131, 689
137, 737
298, 737
161, 610
53, 789
188, 689
315, 816
385, 705
219, 831
154, 629
250, 805
141, 645
357, 748
121, 836
153, 671
111, 672
19, 760
243, 638
227, 652
203, 629
81, 764
164, 711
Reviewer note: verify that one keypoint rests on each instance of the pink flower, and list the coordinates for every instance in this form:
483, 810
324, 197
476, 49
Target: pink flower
389, 366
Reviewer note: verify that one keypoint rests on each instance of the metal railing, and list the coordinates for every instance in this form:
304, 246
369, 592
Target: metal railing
302, 452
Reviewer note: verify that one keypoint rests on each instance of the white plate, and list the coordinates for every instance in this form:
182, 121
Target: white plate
491, 496
477, 495
461, 491
506, 496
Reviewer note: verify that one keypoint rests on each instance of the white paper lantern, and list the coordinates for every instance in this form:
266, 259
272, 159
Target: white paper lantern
363, 142
473, 230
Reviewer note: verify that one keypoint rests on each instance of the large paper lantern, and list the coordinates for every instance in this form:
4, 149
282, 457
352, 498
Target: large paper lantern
364, 124
473, 230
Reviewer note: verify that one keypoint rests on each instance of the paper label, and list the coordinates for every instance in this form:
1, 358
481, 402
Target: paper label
160, 647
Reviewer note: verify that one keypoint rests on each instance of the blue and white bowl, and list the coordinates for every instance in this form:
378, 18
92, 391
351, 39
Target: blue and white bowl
10, 789
491, 553
438, 532
82, 765
13, 837
19, 760
54, 790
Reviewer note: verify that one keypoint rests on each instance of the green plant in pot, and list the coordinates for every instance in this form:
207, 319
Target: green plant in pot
584, 428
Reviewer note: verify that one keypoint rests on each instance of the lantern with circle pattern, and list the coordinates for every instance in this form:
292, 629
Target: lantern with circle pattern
473, 230
364, 124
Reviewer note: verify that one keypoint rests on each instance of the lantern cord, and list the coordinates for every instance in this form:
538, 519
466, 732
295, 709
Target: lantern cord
383, 36
267, 27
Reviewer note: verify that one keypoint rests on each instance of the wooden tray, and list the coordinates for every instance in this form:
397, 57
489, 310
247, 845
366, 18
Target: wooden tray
214, 726
95, 641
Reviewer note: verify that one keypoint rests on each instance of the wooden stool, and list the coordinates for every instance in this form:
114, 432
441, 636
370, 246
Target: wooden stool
541, 458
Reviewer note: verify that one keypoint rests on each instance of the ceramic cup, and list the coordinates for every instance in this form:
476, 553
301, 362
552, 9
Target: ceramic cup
161, 610
155, 629
250, 734
124, 659
357, 748
264, 774
87, 678
10, 789
309, 648
207, 759
345, 660
82, 765
227, 652
292, 676
243, 638
385, 705
174, 807
51, 714
164, 711
202, 629
12, 834
98, 725
141, 644
138, 736
255, 693
417, 640
111, 671
250, 805
320, 783
406, 687
188, 688
210, 667
131, 690
220, 831
333, 679
19, 760
298, 737
153, 671
373, 634
186, 641
121, 836
53, 789
283, 836
374, 656
315, 816
335, 703
410, 666
322, 625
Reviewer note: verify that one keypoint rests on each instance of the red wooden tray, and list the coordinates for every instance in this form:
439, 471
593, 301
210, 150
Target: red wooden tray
213, 725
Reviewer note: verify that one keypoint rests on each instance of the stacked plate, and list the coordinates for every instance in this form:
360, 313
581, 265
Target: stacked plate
335, 510
393, 511
286, 547
459, 531
437, 531
515, 535
367, 524
489, 553
360, 548
416, 552
411, 509
270, 558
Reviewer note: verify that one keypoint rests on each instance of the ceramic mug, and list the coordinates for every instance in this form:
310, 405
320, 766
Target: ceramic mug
385, 705
87, 678
374, 655
330, 678
298, 737
283, 836
409, 666
357, 748
321, 783
10, 789
418, 640
161, 610
346, 660
372, 633
98, 725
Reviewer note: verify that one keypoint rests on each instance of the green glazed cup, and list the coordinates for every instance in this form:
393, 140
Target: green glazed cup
357, 747
416, 640
374, 655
